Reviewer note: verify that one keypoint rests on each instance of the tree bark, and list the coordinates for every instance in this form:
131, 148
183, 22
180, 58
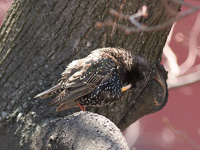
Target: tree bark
37, 41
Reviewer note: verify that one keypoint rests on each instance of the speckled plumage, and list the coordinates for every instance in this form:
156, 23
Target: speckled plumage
98, 79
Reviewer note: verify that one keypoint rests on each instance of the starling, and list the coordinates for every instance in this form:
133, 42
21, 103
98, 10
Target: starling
100, 78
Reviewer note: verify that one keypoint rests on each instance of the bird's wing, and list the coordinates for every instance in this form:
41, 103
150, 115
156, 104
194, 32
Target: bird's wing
85, 80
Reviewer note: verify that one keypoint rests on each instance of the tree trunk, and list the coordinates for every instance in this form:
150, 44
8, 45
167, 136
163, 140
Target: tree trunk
37, 41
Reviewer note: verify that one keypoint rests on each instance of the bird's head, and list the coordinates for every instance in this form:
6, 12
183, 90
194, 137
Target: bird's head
140, 71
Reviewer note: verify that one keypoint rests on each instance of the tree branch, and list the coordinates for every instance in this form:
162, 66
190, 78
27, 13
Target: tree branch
142, 28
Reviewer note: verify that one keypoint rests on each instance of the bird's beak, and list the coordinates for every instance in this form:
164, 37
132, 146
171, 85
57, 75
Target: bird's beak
127, 87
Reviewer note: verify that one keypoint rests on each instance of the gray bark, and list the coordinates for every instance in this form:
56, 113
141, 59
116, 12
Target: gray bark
39, 38
82, 130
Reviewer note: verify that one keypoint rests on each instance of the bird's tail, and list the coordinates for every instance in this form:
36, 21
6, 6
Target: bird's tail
55, 89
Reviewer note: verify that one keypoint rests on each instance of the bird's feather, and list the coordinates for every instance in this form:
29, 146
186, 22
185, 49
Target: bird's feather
49, 92
72, 95
97, 79
84, 82
66, 105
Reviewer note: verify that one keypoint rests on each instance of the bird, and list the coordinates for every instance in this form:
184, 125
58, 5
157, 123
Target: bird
99, 79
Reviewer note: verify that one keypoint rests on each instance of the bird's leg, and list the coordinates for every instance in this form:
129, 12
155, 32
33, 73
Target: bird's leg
80, 106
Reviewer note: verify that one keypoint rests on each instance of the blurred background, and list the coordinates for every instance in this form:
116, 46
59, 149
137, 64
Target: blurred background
177, 125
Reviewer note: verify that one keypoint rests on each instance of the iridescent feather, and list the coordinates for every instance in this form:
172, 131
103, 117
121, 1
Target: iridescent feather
99, 79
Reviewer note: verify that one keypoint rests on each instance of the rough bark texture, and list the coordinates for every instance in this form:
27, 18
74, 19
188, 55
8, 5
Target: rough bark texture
88, 130
39, 38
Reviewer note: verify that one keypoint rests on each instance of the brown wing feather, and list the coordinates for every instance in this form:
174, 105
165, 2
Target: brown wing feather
77, 87
66, 105
72, 95
49, 92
